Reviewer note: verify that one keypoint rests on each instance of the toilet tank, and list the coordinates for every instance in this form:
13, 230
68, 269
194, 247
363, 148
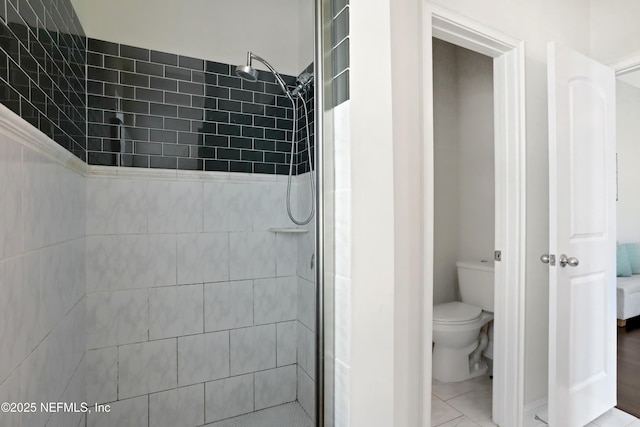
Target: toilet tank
475, 279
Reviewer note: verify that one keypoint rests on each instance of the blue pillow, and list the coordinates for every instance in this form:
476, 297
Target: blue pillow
633, 253
623, 266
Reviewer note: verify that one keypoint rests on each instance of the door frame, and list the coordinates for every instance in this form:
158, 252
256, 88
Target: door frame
510, 157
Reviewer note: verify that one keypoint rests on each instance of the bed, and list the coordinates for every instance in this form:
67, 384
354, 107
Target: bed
628, 298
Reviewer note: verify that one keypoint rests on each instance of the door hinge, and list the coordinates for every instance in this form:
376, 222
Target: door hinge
497, 255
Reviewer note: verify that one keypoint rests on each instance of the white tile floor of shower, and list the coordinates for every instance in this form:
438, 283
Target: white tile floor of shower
287, 415
468, 404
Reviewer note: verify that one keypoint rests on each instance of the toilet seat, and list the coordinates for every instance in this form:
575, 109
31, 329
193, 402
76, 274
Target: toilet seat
456, 313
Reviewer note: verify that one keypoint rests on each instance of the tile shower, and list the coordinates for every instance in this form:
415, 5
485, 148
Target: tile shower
159, 288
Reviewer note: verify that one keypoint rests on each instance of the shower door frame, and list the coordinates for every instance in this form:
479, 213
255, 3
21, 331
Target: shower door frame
324, 207
510, 213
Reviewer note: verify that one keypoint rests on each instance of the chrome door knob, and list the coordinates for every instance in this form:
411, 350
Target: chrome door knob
571, 261
544, 258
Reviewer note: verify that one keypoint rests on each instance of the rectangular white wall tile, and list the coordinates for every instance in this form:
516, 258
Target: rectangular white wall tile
147, 260
253, 349
175, 311
228, 207
102, 375
119, 317
228, 305
306, 393
306, 303
252, 255
130, 412
32, 307
269, 205
286, 254
275, 386
116, 206
342, 393
301, 344
203, 358
175, 207
10, 391
286, 343
11, 328
131, 261
343, 319
11, 218
311, 354
147, 368
228, 398
343, 233
275, 300
203, 257
181, 407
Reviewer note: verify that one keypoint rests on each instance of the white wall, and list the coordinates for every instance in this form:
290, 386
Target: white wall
372, 215
614, 29
464, 170
446, 119
42, 276
477, 172
217, 30
628, 148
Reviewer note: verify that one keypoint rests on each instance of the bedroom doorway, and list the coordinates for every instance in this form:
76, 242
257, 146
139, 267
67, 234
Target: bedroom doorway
628, 232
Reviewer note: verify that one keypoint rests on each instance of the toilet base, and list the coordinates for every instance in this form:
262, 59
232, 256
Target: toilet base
451, 366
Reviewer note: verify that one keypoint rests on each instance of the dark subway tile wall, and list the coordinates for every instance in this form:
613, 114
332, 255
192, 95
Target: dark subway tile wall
179, 112
340, 50
42, 68
301, 160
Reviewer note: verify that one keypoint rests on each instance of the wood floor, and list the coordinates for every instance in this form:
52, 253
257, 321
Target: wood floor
629, 367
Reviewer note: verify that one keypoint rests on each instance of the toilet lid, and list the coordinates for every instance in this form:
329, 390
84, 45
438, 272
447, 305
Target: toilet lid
454, 312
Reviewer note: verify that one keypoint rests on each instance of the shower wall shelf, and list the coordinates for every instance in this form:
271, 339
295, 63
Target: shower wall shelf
289, 230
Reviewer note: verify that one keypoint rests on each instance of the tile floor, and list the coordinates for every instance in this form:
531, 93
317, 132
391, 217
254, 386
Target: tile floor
468, 404
287, 415
463, 404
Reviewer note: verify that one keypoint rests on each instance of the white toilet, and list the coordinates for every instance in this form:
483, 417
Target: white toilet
460, 329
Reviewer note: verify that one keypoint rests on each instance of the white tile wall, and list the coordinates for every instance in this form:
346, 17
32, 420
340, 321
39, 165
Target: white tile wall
42, 278
228, 207
147, 367
228, 305
116, 206
175, 206
129, 412
176, 311
275, 300
286, 334
102, 375
203, 257
203, 358
306, 303
253, 349
252, 255
11, 218
119, 317
210, 296
229, 397
275, 386
181, 407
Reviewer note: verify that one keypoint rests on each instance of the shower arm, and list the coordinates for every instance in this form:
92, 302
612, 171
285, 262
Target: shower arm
283, 85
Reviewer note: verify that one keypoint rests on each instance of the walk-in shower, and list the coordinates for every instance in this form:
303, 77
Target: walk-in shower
304, 80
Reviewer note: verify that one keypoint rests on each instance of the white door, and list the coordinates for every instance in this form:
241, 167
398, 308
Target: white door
582, 194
